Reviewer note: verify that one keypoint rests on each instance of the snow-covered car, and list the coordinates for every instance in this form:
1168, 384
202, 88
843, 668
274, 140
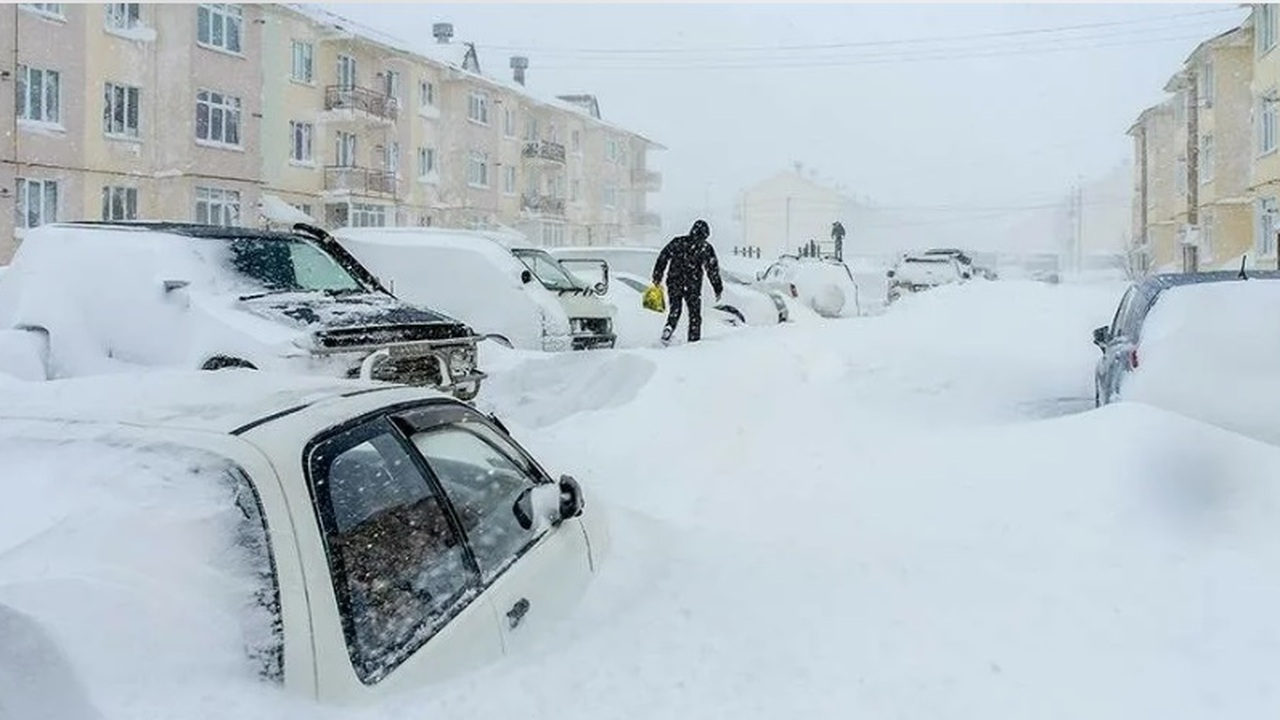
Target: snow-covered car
1196, 344
340, 539
916, 273
627, 290
107, 297
496, 283
756, 306
825, 285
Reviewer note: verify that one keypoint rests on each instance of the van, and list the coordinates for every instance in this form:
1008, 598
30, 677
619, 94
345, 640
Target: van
495, 282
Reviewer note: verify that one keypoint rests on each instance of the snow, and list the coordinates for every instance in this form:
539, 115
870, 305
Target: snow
912, 515
275, 210
1204, 353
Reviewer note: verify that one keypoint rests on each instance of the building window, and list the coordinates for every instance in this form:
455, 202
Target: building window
124, 16
426, 161
1267, 225
215, 206
50, 9
531, 130
610, 194
119, 203
575, 141
366, 215
303, 69
39, 94
509, 180
478, 170
509, 123
217, 118
478, 108
303, 208
1267, 124
37, 202
575, 190
1264, 27
219, 26
426, 94
346, 72
1207, 85
391, 84
300, 135
120, 110
345, 145
1206, 158
391, 159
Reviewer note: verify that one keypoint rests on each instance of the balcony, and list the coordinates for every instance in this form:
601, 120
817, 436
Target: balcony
543, 205
649, 220
354, 97
544, 150
366, 181
647, 180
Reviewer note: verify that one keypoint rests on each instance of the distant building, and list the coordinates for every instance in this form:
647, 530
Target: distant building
782, 213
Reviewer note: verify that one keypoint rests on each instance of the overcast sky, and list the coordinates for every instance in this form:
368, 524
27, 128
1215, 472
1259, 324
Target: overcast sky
1010, 117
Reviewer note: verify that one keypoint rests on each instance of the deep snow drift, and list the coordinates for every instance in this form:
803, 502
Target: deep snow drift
872, 518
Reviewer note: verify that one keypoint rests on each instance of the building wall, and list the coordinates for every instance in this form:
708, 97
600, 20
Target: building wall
780, 214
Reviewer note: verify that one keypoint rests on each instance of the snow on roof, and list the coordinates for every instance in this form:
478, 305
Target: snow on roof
196, 400
278, 211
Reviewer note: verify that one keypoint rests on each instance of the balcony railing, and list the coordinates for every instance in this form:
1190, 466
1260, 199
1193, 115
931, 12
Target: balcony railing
544, 150
650, 180
359, 180
649, 219
354, 97
544, 204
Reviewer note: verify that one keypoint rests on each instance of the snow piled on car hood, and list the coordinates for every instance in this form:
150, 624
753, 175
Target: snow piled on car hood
119, 567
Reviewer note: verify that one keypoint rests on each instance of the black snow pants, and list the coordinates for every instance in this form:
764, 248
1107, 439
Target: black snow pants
694, 301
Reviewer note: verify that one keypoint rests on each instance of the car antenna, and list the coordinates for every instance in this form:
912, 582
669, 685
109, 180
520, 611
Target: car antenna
1243, 275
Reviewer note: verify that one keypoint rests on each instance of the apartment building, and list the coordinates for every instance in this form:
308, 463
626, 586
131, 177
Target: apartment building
227, 114
1156, 171
1264, 87
127, 111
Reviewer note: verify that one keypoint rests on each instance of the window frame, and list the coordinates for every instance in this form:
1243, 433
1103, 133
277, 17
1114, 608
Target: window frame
1264, 29
52, 11
308, 133
1267, 127
227, 14
22, 95
227, 200
478, 106
426, 161
132, 100
128, 196
304, 53
122, 16
21, 206
480, 159
1207, 159
510, 181
230, 110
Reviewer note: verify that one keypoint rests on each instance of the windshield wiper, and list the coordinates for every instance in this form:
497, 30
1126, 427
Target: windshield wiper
343, 291
264, 293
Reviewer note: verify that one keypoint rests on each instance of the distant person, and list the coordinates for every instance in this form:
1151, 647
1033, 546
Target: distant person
683, 261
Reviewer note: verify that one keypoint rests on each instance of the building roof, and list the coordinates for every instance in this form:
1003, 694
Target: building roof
1235, 36
454, 55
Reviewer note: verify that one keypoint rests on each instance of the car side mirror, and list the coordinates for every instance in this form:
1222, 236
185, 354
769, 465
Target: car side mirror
890, 273
1100, 337
570, 497
548, 504
526, 277
172, 285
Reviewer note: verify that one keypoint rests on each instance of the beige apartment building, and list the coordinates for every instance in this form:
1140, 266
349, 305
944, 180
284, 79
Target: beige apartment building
1156, 200
1264, 87
229, 114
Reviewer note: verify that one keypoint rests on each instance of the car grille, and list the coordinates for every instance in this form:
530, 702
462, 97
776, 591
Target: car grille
412, 370
356, 337
594, 326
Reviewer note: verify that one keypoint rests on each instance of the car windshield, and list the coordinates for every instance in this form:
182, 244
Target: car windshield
549, 272
276, 265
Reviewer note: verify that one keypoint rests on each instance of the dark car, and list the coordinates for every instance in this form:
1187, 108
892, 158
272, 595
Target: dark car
1119, 340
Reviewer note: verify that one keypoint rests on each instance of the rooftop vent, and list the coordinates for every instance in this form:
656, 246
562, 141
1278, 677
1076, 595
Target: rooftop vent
442, 31
518, 66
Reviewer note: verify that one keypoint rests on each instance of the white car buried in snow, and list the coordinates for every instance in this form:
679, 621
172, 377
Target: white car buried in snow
343, 539
916, 273
824, 285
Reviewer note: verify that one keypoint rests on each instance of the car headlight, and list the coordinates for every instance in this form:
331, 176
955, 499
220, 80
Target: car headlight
462, 360
578, 326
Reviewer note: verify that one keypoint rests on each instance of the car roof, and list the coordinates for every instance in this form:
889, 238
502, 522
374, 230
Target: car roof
223, 401
1164, 281
193, 230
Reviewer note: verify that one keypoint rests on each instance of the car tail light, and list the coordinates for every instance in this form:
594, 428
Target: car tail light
1133, 358
794, 292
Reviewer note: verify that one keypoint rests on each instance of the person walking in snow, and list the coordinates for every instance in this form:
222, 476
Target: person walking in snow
683, 261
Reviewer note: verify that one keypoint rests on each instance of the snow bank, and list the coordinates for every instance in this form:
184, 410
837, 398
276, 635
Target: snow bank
1209, 352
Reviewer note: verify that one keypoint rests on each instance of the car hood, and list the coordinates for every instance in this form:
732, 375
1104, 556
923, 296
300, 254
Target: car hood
314, 311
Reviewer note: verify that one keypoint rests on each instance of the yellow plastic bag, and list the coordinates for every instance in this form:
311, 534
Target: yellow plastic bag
654, 299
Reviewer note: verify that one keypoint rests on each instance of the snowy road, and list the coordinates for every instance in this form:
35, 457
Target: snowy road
875, 518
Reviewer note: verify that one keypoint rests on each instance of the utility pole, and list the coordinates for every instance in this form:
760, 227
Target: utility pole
787, 248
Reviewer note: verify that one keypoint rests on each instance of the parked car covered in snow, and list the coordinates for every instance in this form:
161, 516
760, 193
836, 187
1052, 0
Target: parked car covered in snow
825, 285
916, 273
626, 292
102, 297
1195, 343
342, 539
495, 282
756, 306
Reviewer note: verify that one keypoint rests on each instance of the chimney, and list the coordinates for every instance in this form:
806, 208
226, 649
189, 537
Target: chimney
518, 65
443, 32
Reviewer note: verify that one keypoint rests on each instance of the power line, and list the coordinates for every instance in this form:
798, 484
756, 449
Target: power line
879, 59
866, 43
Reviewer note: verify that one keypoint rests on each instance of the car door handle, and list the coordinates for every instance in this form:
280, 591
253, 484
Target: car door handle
517, 612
